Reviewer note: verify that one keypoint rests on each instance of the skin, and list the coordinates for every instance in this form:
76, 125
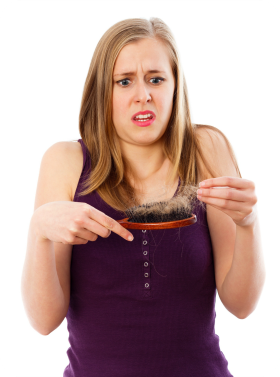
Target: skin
142, 146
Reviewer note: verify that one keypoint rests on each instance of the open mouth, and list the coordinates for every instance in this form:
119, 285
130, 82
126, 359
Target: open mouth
145, 119
144, 122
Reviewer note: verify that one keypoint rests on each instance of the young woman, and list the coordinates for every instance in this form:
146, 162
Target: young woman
144, 307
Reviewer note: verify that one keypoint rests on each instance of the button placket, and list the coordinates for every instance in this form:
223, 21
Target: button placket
146, 265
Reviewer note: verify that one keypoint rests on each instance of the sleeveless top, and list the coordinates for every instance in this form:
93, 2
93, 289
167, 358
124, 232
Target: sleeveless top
144, 307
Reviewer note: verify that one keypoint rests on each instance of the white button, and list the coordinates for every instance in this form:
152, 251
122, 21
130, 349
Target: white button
146, 285
145, 252
146, 274
146, 264
144, 242
144, 231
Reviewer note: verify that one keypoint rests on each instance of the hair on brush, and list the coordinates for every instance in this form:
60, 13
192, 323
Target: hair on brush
172, 213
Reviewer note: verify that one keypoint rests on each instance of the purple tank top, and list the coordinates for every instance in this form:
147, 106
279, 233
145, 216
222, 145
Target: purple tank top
146, 307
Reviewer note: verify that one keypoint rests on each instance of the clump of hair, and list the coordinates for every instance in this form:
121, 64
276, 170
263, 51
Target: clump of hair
177, 208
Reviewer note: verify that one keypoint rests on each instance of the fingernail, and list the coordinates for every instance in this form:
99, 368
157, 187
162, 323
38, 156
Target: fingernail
130, 238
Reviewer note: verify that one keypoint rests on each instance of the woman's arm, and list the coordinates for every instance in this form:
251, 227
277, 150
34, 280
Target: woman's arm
244, 282
237, 250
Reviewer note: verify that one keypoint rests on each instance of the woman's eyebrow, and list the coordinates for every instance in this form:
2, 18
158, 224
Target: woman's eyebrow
133, 73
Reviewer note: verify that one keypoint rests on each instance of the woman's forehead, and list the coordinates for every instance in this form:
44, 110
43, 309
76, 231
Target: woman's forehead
149, 56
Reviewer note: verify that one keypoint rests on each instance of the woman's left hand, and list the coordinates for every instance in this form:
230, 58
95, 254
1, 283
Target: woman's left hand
238, 200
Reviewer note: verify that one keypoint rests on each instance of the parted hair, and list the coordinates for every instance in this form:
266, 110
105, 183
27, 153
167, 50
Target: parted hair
109, 169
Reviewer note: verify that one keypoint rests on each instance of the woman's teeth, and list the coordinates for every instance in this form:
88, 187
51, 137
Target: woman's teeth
143, 118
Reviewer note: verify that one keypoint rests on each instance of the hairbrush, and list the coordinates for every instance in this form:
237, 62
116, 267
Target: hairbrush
173, 213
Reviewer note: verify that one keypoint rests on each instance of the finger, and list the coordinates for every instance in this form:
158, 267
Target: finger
75, 241
89, 236
222, 193
85, 236
224, 203
95, 227
233, 182
226, 211
110, 223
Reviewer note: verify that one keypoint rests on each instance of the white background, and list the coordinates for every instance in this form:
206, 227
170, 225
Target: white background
230, 54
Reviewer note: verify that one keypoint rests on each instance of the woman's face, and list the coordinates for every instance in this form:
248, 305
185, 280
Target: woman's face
142, 90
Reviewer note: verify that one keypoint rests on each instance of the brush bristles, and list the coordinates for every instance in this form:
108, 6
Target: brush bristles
179, 207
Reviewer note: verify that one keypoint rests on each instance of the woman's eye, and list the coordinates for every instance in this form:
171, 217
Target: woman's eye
154, 78
157, 78
122, 81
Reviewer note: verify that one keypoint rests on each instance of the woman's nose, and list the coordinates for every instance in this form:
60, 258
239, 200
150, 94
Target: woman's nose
142, 93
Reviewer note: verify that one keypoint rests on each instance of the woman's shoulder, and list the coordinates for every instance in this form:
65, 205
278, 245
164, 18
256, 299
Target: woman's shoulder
215, 151
206, 133
73, 153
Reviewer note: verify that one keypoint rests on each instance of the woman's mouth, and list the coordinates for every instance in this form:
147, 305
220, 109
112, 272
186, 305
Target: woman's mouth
143, 123
144, 120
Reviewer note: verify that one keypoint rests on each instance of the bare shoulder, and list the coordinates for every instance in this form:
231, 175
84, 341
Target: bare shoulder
74, 152
209, 137
205, 137
71, 157
60, 170
217, 151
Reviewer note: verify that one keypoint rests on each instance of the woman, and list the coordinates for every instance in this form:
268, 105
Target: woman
146, 307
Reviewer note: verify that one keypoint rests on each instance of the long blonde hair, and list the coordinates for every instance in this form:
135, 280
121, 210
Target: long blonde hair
109, 169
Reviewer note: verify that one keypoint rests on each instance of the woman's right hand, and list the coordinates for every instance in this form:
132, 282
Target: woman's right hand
74, 223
